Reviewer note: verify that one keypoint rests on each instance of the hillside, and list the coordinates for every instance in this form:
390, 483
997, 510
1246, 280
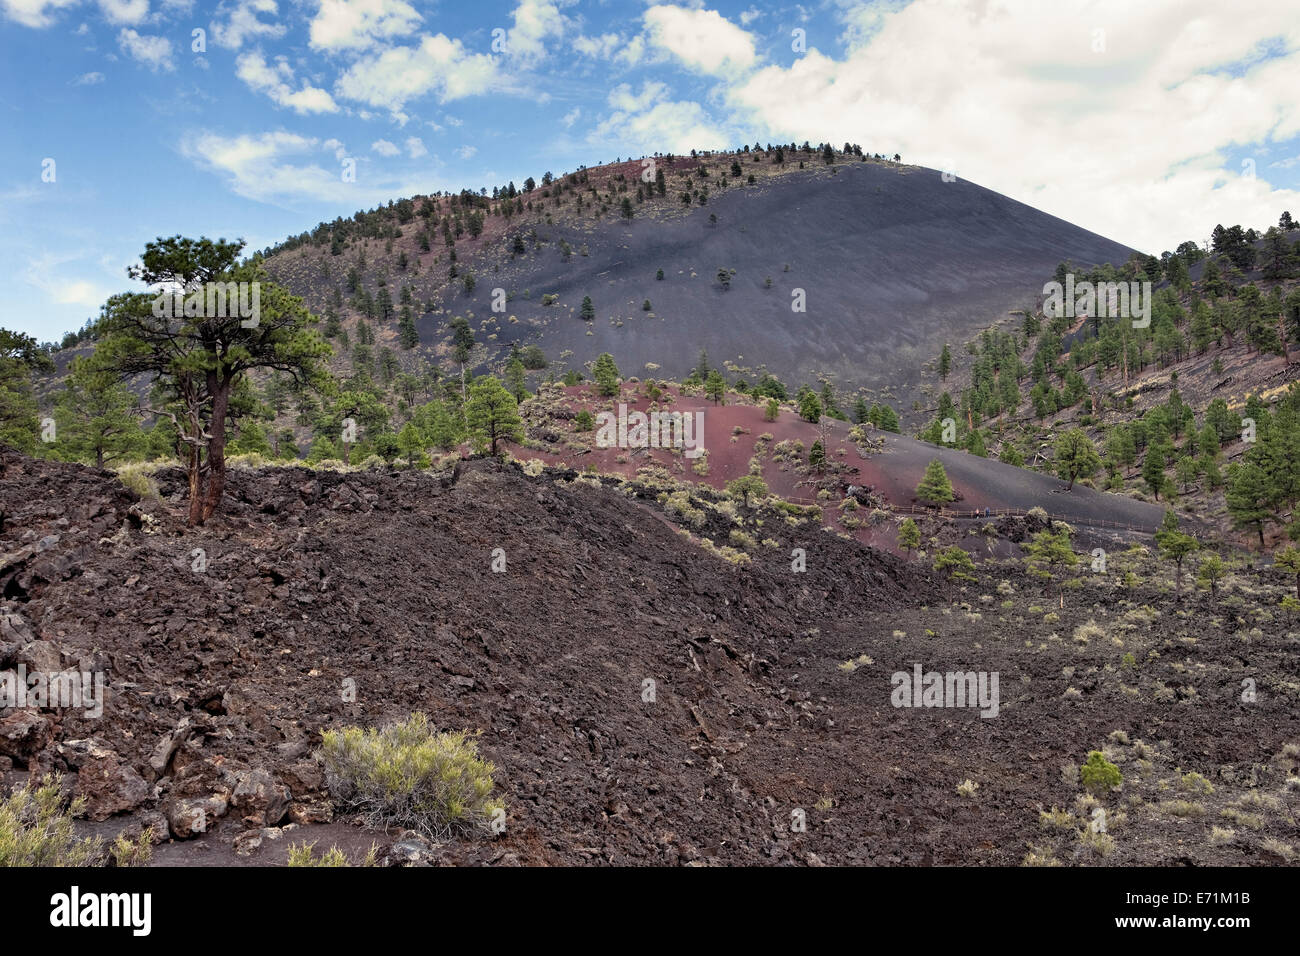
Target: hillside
1166, 406
771, 698
890, 258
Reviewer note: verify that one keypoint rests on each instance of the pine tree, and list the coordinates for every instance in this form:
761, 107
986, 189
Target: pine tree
1153, 470
1075, 456
588, 311
715, 386
1049, 550
810, 408
492, 414
516, 380
407, 335
909, 535
411, 444
605, 372
95, 416
860, 410
1210, 572
200, 361
935, 489
1248, 495
1175, 546
957, 563
945, 362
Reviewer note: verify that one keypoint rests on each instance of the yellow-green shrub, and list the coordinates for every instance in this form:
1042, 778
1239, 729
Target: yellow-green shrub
406, 774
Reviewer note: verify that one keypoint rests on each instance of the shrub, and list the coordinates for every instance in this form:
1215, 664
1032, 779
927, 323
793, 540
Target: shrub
304, 854
136, 479
36, 829
127, 853
1087, 632
1099, 775
408, 775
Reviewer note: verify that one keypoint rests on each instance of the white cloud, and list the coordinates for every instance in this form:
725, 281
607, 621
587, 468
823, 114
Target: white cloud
244, 23
262, 77
360, 24
633, 53
749, 16
88, 79
124, 11
399, 74
45, 273
536, 21
272, 166
467, 152
153, 52
621, 97
384, 148
34, 13
336, 147
600, 47
283, 167
702, 39
415, 147
1130, 142
650, 122
571, 117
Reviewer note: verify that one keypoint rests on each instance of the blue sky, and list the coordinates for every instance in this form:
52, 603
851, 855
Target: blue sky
1147, 125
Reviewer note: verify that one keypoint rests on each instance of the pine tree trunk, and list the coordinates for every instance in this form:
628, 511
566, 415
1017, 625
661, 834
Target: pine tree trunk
196, 485
217, 448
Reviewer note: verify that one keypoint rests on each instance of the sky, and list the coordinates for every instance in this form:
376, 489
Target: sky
123, 120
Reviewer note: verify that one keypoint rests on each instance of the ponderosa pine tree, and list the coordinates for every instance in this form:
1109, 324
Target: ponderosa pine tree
198, 360
1248, 495
20, 355
96, 417
1075, 456
715, 386
492, 413
909, 535
1175, 546
935, 489
605, 372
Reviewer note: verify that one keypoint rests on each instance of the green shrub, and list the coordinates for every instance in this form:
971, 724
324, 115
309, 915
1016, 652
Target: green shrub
407, 775
1099, 774
304, 854
36, 829
128, 853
